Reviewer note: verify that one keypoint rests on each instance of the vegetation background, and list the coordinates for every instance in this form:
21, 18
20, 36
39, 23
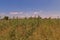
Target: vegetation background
30, 28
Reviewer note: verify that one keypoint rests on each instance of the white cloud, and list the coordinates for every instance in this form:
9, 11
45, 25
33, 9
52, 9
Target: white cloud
36, 13
43, 14
15, 12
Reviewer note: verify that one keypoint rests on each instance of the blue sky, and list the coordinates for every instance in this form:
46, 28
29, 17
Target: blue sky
43, 8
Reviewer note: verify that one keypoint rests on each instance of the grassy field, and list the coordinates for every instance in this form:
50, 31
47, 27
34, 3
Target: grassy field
30, 29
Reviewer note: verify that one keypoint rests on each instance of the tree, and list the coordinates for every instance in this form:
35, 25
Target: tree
39, 17
6, 18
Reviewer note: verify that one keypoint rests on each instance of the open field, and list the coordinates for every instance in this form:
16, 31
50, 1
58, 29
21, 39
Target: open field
30, 29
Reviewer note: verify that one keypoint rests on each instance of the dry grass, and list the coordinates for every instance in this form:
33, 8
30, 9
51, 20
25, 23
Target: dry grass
30, 29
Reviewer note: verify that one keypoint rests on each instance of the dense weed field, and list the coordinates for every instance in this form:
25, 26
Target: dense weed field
30, 29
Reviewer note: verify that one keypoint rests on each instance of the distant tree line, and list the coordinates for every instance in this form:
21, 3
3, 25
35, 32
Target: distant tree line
7, 18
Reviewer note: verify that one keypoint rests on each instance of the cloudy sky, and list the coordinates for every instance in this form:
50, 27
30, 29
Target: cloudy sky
21, 8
